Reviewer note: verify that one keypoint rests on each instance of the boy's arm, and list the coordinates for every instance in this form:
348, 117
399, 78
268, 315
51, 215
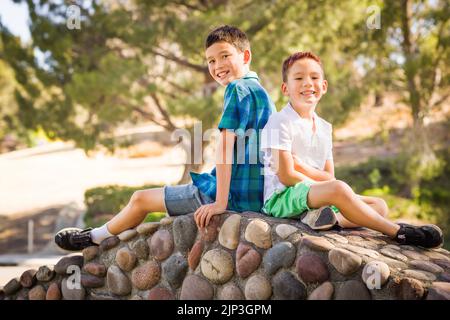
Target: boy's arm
224, 157
313, 173
284, 167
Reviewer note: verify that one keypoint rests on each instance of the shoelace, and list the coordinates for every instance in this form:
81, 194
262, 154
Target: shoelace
83, 237
412, 235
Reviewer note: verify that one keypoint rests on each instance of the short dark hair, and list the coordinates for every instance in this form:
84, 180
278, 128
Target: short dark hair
298, 56
232, 35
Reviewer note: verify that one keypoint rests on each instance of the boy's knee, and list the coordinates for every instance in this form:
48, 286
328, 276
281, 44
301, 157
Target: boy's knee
383, 207
342, 189
137, 197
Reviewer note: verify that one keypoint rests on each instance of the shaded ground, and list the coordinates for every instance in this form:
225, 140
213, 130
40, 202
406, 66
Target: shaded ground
14, 230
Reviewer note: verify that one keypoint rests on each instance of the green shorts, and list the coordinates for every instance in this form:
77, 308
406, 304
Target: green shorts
290, 202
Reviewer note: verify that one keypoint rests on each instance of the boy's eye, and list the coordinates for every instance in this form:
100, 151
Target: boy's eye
225, 56
210, 61
298, 78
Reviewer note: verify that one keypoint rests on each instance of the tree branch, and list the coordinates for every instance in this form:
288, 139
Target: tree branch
264, 21
440, 101
187, 5
175, 85
146, 114
143, 81
185, 63
149, 116
163, 111
438, 58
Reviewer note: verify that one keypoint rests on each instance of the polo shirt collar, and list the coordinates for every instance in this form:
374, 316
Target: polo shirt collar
294, 113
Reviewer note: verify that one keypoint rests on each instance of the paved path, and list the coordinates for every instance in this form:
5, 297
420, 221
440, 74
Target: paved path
23, 262
59, 174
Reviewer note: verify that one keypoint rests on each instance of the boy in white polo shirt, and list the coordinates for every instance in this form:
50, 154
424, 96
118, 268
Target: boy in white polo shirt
299, 169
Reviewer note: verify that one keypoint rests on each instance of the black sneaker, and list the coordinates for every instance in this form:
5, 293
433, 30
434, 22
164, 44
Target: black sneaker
323, 218
74, 239
427, 236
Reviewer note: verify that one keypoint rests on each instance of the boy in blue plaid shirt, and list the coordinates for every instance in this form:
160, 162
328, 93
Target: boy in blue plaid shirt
237, 182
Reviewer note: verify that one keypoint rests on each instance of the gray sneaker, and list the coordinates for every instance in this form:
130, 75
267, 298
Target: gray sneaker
323, 218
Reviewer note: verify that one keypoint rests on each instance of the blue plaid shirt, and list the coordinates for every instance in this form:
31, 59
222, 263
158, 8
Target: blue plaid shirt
247, 107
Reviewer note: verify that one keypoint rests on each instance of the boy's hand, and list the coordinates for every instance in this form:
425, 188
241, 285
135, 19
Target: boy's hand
297, 162
204, 214
296, 159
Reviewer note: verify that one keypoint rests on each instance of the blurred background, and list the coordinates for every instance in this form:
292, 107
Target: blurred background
91, 93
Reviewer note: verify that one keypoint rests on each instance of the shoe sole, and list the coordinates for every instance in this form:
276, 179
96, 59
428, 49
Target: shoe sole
326, 219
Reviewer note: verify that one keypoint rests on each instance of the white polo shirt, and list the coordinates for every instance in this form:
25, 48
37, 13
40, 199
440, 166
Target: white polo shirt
286, 130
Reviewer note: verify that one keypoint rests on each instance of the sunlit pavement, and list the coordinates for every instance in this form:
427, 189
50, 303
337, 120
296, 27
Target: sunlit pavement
24, 262
58, 174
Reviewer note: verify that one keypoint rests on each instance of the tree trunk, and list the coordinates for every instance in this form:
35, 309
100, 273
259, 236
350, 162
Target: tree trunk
190, 164
422, 154
378, 99
410, 68
209, 87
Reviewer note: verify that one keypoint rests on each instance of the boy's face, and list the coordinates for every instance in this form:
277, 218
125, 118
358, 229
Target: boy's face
305, 84
226, 63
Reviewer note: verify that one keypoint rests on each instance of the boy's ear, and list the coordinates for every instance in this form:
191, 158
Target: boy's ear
325, 86
284, 89
247, 56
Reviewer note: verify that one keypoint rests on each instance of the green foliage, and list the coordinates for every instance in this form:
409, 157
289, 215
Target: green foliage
9, 105
415, 36
391, 171
129, 60
104, 202
395, 173
425, 167
144, 60
389, 179
403, 208
375, 177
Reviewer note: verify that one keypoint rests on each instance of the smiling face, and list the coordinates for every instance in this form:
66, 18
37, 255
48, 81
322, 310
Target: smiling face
305, 84
226, 63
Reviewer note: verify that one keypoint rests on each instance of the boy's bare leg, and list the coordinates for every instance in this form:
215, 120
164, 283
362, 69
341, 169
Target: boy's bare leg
352, 207
141, 203
378, 204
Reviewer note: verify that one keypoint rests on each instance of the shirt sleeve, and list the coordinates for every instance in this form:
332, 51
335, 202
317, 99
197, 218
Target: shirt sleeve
236, 108
276, 135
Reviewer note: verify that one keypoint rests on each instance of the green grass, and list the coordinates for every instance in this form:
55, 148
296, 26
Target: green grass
105, 202
95, 222
154, 217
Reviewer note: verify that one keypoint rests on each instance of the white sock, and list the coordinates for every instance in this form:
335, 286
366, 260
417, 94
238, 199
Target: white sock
100, 233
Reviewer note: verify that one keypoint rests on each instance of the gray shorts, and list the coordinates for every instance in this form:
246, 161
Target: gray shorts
184, 199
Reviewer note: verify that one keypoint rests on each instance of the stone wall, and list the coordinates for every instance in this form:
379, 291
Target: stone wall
241, 256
